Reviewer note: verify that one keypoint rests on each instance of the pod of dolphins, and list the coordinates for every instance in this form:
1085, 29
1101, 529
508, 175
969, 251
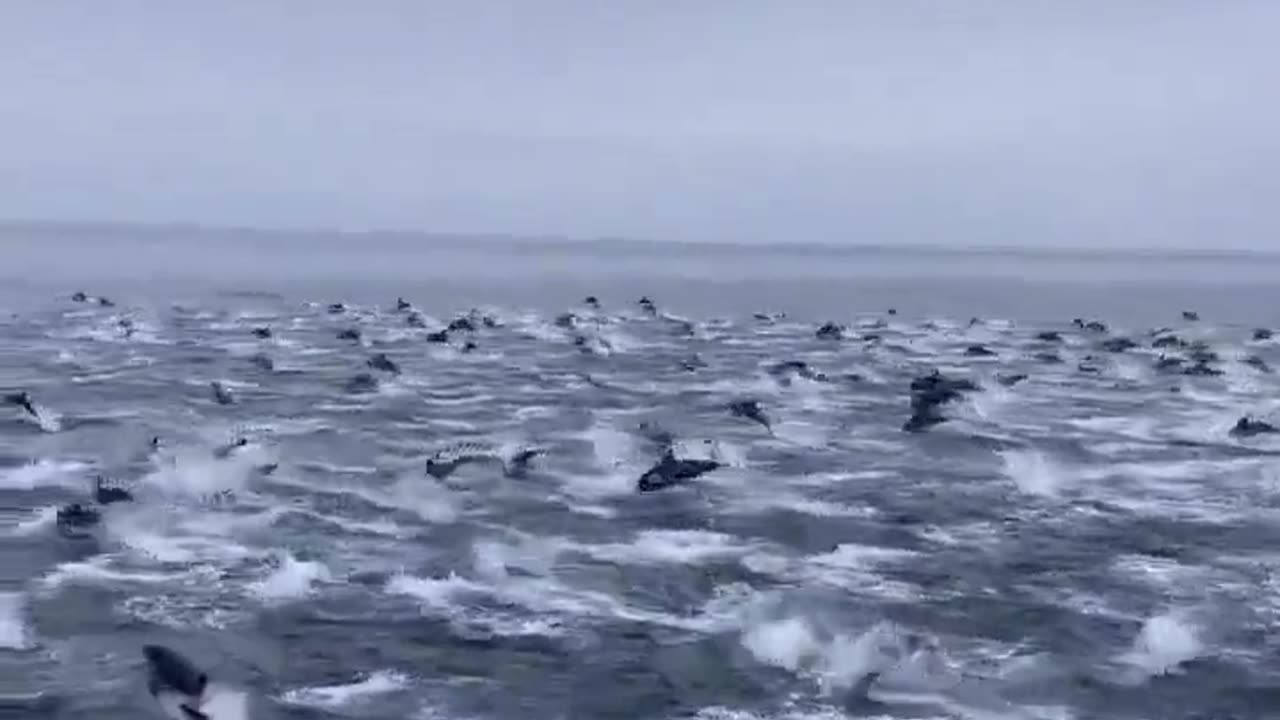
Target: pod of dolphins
180, 688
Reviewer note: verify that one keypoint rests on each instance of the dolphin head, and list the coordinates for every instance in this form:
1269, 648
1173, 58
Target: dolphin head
175, 683
169, 671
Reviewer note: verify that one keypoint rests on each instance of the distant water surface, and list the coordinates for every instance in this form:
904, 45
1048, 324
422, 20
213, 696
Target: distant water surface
813, 280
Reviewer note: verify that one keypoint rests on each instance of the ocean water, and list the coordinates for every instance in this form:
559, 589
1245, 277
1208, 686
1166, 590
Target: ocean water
1090, 542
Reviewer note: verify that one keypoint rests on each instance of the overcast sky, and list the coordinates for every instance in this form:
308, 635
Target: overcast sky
1038, 122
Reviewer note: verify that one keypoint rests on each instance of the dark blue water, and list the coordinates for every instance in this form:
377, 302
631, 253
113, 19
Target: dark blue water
1090, 542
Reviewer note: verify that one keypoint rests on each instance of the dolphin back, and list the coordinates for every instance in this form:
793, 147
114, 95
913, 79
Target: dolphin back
171, 671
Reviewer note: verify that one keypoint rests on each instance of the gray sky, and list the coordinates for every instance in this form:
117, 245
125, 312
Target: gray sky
1038, 122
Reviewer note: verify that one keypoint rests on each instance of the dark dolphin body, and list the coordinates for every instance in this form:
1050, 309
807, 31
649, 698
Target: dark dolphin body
784, 370
384, 363
23, 400
76, 520
670, 471
223, 452
175, 682
106, 494
1249, 427
518, 465
830, 331
1257, 363
750, 410
1091, 325
1010, 379
362, 383
1118, 344
220, 393
461, 324
928, 394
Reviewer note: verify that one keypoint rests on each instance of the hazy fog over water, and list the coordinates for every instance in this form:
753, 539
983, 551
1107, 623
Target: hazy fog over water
1143, 123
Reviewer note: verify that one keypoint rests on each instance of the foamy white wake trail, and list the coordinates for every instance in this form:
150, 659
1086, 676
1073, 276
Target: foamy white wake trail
339, 696
14, 633
43, 473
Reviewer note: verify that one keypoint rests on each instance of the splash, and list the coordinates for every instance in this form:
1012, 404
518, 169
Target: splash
196, 473
292, 579
223, 702
1165, 642
836, 662
14, 634
330, 696
1034, 472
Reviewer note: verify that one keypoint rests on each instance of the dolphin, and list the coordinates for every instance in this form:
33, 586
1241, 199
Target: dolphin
751, 410
447, 460
518, 464
670, 471
105, 493
23, 400
220, 393
223, 452
382, 362
175, 683
76, 520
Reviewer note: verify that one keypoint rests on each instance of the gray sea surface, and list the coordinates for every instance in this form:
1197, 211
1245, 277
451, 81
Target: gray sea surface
1089, 542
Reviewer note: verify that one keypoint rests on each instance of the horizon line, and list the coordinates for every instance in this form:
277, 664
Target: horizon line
41, 226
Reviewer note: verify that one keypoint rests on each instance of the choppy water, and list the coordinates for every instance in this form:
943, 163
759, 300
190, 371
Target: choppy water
1078, 545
